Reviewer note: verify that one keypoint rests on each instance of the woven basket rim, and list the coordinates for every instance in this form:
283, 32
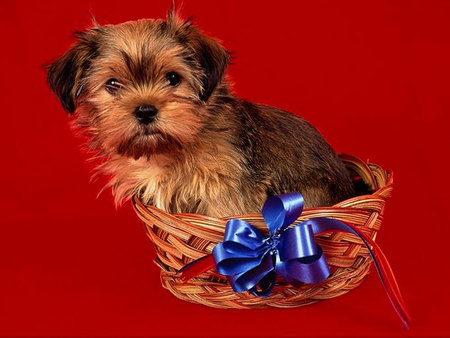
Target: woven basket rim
305, 211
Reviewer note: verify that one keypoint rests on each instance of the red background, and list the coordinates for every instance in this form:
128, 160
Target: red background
372, 77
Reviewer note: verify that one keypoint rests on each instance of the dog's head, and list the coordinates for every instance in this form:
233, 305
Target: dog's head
141, 87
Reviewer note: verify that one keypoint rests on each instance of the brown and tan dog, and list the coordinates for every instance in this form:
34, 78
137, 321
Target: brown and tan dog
152, 98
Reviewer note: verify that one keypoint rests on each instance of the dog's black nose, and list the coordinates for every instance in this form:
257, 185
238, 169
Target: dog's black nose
145, 114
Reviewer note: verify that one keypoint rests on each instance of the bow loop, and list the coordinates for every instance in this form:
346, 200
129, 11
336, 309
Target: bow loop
242, 238
242, 250
298, 243
281, 211
250, 279
311, 269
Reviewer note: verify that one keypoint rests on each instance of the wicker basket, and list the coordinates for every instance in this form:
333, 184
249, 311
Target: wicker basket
179, 239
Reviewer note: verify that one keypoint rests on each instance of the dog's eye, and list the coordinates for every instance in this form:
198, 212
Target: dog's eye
112, 86
173, 78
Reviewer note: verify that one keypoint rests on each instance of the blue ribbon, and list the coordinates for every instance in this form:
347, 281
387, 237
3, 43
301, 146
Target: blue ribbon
251, 260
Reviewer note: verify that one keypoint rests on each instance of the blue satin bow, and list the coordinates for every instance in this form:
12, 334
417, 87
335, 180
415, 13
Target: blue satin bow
251, 260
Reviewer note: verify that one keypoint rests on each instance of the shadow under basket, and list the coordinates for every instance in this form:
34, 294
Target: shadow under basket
181, 238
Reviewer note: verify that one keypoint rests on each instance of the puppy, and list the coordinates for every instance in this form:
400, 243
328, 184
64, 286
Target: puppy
154, 102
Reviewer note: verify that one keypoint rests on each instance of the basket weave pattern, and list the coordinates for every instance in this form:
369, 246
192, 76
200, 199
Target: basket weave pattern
179, 239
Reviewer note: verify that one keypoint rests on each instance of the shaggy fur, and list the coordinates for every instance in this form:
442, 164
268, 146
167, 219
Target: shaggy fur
207, 151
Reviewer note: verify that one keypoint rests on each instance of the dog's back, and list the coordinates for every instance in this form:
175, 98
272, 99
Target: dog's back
284, 153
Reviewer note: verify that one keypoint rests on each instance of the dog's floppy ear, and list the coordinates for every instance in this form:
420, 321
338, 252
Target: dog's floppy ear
66, 73
208, 53
214, 60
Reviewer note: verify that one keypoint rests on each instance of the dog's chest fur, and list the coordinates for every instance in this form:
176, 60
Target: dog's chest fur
204, 179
